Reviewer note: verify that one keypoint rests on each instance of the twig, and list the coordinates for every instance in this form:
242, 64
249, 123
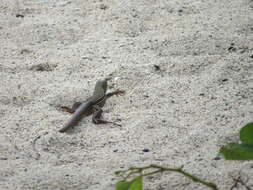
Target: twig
160, 169
239, 180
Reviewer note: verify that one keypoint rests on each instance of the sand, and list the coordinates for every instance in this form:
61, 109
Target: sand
186, 67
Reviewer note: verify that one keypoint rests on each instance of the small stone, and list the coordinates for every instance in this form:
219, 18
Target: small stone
103, 7
157, 68
145, 150
217, 158
18, 15
42, 67
232, 48
23, 51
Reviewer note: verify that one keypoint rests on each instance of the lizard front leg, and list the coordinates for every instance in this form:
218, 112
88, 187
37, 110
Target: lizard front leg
116, 92
97, 116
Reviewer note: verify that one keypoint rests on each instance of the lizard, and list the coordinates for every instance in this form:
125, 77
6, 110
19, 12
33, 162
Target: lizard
93, 106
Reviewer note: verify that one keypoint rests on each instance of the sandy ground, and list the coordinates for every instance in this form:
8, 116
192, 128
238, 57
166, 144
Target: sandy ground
186, 66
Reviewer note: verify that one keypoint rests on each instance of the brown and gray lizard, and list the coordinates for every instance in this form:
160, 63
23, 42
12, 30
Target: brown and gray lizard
92, 106
81, 109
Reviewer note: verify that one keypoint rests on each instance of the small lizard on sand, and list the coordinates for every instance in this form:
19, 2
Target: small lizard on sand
92, 106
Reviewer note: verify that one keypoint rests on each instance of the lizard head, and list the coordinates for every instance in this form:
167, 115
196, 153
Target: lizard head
101, 85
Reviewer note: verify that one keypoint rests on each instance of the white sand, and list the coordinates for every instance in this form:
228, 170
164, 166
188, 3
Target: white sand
183, 113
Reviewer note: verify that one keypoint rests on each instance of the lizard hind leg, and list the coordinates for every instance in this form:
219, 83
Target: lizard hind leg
97, 117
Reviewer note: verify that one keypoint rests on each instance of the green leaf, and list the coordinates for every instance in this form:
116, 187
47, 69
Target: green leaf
136, 184
234, 151
246, 133
122, 185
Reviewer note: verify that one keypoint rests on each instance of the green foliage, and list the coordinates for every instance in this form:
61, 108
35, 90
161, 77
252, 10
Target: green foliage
135, 184
140, 172
232, 151
243, 150
246, 134
235, 151
123, 185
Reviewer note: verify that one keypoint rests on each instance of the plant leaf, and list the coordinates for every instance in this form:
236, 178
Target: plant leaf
136, 184
234, 151
122, 185
246, 133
